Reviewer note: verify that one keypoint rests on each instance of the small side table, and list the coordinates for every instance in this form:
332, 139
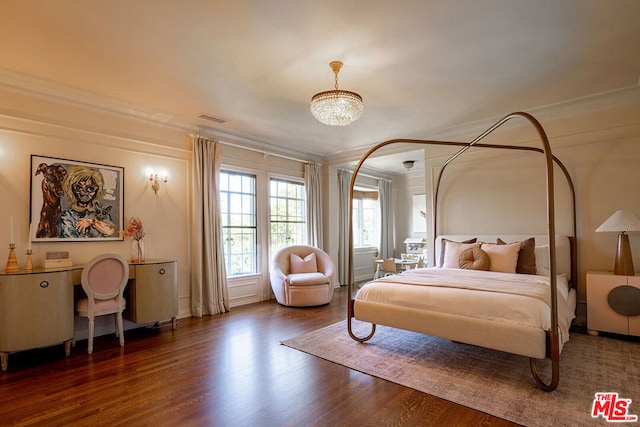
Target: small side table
613, 303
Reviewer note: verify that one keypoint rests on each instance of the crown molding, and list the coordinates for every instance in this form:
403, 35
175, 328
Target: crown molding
31, 86
34, 87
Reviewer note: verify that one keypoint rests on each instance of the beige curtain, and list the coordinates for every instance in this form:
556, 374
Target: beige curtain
344, 206
387, 247
313, 186
209, 292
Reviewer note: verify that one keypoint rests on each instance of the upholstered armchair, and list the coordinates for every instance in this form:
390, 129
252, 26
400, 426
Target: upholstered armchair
302, 276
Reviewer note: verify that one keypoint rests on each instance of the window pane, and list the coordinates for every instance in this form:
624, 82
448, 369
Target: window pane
287, 214
238, 210
366, 222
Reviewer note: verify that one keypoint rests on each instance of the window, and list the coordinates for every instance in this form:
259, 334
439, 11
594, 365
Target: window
366, 222
287, 209
239, 231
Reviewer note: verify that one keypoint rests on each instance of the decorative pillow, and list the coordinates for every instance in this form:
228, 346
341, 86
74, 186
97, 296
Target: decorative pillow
542, 260
452, 251
474, 259
443, 244
504, 258
526, 256
306, 265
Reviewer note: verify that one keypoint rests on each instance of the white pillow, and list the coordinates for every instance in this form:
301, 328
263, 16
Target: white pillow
306, 265
452, 251
542, 260
504, 258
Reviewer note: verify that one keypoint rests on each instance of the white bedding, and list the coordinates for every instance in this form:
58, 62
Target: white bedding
478, 294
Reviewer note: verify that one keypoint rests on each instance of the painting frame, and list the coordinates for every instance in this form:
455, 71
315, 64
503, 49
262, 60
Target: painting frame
75, 201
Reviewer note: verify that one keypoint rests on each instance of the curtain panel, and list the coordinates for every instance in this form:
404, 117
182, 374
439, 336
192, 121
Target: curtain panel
313, 189
344, 207
386, 219
209, 291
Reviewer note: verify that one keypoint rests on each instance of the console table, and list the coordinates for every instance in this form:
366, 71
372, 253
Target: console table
37, 307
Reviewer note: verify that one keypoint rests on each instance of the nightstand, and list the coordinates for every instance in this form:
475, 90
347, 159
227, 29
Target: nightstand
613, 303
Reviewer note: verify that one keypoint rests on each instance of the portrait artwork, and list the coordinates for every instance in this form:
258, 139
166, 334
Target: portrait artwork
75, 201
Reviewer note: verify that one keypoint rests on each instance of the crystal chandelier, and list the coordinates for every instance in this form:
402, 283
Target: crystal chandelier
336, 107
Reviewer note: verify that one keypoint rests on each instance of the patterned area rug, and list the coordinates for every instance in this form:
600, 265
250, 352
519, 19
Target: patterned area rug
490, 381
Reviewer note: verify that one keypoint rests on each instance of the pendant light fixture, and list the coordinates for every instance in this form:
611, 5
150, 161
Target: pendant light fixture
336, 107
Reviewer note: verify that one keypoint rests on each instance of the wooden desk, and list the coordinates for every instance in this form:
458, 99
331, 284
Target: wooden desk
37, 307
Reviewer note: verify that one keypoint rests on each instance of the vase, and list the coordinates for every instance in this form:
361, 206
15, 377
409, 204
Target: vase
137, 251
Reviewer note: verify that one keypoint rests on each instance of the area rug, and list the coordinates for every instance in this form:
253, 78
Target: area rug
490, 381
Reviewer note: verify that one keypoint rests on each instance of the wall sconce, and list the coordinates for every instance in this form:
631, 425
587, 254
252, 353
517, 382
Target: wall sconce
155, 180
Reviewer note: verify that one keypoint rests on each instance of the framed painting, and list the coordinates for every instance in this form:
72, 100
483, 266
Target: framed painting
73, 201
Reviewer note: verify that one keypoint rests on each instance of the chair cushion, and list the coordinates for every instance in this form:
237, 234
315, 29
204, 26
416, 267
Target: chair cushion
307, 264
102, 306
302, 279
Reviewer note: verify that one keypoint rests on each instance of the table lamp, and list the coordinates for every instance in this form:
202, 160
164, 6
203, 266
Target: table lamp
621, 222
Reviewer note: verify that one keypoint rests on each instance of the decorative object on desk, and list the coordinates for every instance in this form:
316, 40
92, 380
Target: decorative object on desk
135, 230
137, 251
28, 264
621, 222
336, 107
75, 201
59, 259
12, 261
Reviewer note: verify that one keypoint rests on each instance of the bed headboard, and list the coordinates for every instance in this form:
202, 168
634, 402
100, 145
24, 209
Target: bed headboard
564, 249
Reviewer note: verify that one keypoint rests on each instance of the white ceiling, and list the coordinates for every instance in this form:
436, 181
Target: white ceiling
420, 66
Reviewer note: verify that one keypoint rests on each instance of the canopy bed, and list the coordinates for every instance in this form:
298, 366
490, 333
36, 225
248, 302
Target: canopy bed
509, 308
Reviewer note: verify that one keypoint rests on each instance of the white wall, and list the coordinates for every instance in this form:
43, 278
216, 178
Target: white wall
598, 139
505, 192
31, 125
94, 132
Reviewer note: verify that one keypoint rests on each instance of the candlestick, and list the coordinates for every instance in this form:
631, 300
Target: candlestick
30, 236
28, 265
12, 261
11, 239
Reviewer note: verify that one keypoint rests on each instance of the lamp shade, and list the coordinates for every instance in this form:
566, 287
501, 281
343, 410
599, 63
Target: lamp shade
620, 221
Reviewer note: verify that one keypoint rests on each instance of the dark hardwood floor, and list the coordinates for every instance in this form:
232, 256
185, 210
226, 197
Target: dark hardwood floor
225, 370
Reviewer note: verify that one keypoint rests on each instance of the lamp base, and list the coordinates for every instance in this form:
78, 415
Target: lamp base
624, 261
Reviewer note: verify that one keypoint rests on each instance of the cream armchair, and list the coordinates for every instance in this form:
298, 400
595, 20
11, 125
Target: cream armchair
302, 276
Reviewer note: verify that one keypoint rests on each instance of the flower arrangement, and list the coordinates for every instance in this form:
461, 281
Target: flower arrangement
135, 229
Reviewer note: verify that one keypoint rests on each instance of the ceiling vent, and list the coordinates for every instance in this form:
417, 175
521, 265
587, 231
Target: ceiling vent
212, 118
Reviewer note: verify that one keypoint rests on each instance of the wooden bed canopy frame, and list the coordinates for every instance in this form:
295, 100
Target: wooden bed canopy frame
552, 337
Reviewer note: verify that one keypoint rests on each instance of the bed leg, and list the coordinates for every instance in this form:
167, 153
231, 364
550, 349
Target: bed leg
555, 373
356, 338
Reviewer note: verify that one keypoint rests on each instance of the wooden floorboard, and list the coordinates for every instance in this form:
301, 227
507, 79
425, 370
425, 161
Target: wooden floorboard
224, 370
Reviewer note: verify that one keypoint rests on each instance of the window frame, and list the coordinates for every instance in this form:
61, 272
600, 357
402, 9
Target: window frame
358, 220
255, 227
303, 234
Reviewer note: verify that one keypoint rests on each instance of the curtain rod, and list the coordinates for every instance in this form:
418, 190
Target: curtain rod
263, 152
